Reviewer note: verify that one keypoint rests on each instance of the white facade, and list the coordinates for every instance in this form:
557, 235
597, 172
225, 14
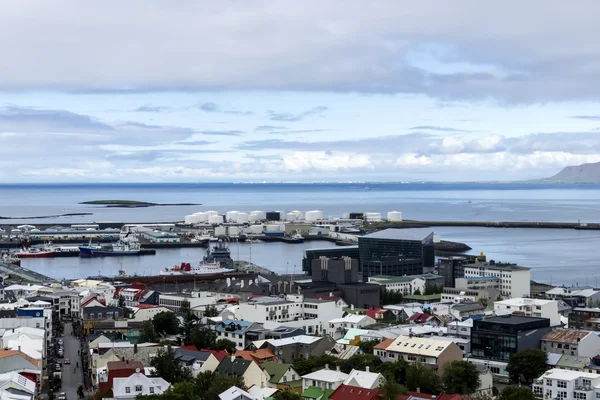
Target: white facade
461, 329
147, 313
571, 342
138, 384
567, 385
514, 280
324, 378
312, 313
364, 379
198, 299
339, 326
405, 285
531, 308
394, 216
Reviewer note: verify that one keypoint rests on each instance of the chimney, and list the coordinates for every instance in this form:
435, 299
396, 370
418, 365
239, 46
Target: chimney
326, 366
19, 348
330, 294
418, 390
122, 358
127, 362
337, 368
368, 369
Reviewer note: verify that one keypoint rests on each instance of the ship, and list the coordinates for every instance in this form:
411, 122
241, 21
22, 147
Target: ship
126, 246
201, 269
219, 253
33, 252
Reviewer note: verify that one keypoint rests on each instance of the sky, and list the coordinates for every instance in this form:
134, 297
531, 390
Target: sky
269, 91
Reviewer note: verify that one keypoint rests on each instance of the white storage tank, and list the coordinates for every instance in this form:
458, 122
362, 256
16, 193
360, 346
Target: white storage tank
259, 215
211, 212
215, 219
373, 216
436, 238
233, 231
189, 219
202, 216
220, 231
257, 229
394, 216
314, 215
241, 218
231, 216
275, 228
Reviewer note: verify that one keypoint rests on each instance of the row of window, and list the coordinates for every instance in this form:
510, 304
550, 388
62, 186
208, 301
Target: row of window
138, 388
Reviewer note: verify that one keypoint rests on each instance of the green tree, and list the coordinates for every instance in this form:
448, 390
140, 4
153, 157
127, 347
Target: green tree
211, 311
516, 393
390, 296
168, 367
210, 384
422, 377
148, 333
390, 390
178, 391
314, 363
188, 322
527, 365
80, 392
360, 362
166, 322
227, 345
203, 337
461, 377
394, 371
286, 395
366, 346
417, 292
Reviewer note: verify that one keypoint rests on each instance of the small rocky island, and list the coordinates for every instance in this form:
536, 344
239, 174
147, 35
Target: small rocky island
132, 204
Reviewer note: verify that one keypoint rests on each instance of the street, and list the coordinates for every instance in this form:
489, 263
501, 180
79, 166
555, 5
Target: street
71, 379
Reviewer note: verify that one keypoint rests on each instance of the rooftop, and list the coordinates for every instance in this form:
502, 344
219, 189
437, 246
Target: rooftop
347, 392
482, 278
565, 336
520, 301
400, 234
498, 266
566, 375
327, 375
421, 346
513, 319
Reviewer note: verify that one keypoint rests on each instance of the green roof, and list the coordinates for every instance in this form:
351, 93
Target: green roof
275, 370
567, 361
351, 335
313, 392
383, 279
423, 296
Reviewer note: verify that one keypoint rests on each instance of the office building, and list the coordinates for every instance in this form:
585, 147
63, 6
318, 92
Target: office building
515, 280
451, 268
333, 252
396, 252
530, 307
585, 318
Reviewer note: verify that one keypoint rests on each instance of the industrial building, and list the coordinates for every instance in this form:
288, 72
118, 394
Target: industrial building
396, 252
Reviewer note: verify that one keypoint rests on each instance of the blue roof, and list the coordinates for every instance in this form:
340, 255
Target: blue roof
233, 326
481, 278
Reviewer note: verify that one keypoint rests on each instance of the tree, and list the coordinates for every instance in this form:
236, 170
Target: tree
390, 296
178, 391
366, 346
210, 384
227, 345
417, 292
314, 363
169, 368
286, 395
188, 322
148, 334
527, 365
360, 362
394, 371
461, 377
390, 390
186, 307
166, 322
211, 311
516, 393
422, 377
203, 337
80, 392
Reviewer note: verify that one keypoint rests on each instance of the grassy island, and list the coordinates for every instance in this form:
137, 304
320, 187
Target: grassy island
131, 203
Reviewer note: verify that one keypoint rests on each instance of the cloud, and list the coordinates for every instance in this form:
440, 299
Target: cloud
289, 117
324, 161
28, 119
152, 109
269, 128
436, 128
589, 117
211, 107
223, 133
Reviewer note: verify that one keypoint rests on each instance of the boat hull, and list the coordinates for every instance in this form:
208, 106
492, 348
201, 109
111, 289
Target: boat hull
93, 252
42, 254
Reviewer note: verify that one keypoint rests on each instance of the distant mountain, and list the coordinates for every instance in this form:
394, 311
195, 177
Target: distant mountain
584, 173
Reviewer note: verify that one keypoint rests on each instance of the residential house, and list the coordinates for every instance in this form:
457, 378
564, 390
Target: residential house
573, 363
571, 342
405, 311
339, 326
235, 393
568, 385
466, 309
330, 297
283, 376
320, 384
425, 396
424, 318
461, 329
196, 361
302, 346
30, 341
13, 383
585, 318
347, 392
17, 361
102, 313
259, 356
262, 392
234, 330
434, 353
138, 384
380, 350
381, 314
364, 379
117, 369
248, 370
530, 307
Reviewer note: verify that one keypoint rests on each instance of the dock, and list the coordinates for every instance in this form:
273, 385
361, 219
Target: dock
485, 224
15, 271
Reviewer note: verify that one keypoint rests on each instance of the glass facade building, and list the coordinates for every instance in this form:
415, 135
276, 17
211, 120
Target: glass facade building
333, 252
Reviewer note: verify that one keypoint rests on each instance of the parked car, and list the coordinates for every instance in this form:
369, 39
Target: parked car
62, 396
57, 367
61, 354
67, 361
60, 342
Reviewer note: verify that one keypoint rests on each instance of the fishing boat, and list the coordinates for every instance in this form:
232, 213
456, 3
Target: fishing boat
201, 269
34, 252
126, 246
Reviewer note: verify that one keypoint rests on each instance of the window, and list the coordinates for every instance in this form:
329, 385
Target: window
138, 388
127, 389
151, 389
561, 384
548, 382
579, 396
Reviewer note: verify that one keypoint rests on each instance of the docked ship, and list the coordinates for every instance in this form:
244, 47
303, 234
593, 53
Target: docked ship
201, 269
126, 246
34, 252
219, 253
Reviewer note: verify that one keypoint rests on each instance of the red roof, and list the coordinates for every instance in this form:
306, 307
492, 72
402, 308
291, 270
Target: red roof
347, 392
231, 300
384, 344
430, 396
189, 347
420, 317
88, 301
219, 354
372, 312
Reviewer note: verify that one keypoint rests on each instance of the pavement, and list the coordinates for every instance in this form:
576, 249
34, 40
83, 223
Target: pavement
71, 379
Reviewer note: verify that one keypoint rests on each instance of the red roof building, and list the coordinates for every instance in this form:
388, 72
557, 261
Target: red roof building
219, 354
119, 369
347, 392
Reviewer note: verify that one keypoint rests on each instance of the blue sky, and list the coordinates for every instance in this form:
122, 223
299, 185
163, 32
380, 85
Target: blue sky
296, 91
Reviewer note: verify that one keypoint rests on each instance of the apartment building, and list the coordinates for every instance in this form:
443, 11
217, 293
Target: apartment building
567, 385
234, 330
514, 279
530, 307
302, 346
585, 318
571, 342
338, 327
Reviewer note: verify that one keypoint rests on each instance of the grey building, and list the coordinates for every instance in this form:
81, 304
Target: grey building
102, 313
396, 252
361, 295
257, 332
497, 338
289, 349
333, 252
341, 270
451, 268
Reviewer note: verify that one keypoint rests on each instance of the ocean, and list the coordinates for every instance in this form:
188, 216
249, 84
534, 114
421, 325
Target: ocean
555, 256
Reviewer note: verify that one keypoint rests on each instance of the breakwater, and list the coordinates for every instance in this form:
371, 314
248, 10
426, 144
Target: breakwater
485, 224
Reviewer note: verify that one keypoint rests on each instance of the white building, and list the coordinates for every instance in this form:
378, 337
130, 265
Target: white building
402, 284
364, 379
324, 378
138, 384
198, 300
312, 314
461, 329
339, 326
567, 385
145, 312
514, 280
531, 308
235, 393
571, 342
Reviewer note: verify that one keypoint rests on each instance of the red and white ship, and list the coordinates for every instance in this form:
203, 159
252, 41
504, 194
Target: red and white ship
201, 269
34, 253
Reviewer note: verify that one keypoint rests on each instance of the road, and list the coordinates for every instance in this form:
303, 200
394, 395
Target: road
71, 379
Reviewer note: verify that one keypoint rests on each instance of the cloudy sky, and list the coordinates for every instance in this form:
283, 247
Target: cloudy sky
296, 90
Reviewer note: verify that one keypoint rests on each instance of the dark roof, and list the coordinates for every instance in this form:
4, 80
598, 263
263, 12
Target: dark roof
418, 234
238, 368
189, 356
468, 307
8, 313
512, 319
96, 309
